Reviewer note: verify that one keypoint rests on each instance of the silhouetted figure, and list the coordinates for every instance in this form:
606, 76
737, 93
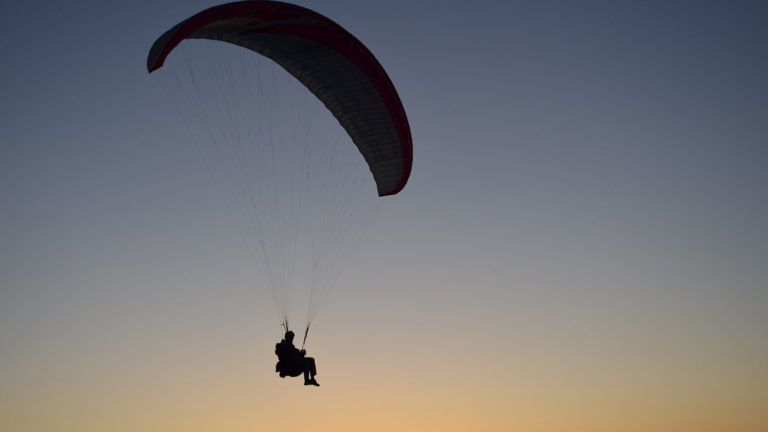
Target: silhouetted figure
292, 362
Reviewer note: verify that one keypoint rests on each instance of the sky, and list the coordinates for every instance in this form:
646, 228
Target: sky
581, 246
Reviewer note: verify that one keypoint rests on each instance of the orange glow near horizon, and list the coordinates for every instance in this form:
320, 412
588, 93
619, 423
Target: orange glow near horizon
392, 385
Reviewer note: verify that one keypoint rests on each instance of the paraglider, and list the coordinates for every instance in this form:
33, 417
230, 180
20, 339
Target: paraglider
282, 200
294, 362
328, 60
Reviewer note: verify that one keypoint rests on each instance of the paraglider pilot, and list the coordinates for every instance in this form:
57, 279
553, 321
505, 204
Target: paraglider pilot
293, 362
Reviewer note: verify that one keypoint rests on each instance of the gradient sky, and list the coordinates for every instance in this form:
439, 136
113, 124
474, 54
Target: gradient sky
582, 246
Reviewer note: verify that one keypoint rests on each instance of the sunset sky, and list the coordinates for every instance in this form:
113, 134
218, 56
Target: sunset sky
582, 245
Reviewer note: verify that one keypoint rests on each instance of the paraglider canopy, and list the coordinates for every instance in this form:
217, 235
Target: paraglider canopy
328, 60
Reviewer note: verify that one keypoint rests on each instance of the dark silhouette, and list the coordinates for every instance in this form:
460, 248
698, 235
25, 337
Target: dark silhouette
292, 362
